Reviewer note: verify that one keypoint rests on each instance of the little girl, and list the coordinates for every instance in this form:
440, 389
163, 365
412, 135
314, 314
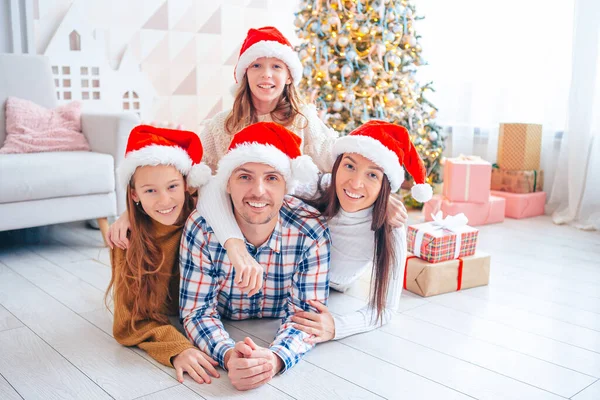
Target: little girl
159, 166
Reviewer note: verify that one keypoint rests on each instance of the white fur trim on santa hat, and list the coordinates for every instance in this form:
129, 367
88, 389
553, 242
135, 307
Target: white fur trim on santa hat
268, 48
254, 153
154, 155
304, 172
422, 192
199, 175
375, 151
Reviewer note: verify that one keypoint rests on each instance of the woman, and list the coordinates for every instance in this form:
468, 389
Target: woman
369, 166
145, 277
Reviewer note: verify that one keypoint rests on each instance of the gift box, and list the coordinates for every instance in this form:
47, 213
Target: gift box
467, 178
443, 239
523, 205
519, 146
477, 213
428, 279
515, 181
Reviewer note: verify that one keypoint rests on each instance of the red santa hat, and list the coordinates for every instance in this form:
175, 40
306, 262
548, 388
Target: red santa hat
272, 144
149, 145
267, 42
389, 146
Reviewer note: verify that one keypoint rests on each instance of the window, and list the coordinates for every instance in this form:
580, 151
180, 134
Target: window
62, 81
131, 102
75, 41
90, 83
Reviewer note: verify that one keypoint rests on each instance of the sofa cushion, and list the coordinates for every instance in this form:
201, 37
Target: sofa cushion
31, 128
39, 176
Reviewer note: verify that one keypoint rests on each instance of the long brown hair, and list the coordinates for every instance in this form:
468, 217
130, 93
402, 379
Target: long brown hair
384, 256
243, 112
144, 263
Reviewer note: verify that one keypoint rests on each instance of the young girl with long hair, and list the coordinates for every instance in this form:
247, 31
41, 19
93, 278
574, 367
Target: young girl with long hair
159, 166
369, 166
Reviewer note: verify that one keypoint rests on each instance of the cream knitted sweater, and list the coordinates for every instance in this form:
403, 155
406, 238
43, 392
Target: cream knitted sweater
317, 138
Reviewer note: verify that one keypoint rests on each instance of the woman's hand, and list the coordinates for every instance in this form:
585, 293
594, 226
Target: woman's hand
396, 212
117, 233
248, 272
195, 363
320, 325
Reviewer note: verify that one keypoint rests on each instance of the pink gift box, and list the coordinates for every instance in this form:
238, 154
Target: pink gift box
467, 179
523, 205
490, 212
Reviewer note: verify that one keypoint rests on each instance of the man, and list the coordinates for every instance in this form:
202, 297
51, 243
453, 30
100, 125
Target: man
287, 237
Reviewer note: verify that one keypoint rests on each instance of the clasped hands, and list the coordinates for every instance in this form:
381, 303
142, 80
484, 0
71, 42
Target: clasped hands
250, 366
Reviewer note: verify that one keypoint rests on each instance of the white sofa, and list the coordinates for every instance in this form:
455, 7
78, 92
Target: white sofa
55, 187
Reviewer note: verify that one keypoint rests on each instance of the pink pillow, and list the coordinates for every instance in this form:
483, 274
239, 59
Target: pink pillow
34, 129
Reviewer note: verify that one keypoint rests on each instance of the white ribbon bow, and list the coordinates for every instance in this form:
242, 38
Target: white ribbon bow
452, 223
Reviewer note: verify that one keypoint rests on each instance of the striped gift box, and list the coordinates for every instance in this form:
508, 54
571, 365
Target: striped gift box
439, 245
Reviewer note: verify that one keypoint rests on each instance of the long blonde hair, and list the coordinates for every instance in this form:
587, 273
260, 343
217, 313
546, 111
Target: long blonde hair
244, 113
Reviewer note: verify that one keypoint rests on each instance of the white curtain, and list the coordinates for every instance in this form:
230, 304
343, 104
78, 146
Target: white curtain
494, 62
575, 197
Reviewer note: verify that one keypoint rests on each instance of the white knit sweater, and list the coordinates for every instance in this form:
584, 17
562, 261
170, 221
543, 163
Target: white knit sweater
352, 245
317, 138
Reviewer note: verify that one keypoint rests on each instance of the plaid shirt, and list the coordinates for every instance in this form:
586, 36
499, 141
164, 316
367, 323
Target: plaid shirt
296, 265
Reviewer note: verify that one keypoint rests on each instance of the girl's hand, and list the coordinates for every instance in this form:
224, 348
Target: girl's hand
396, 212
248, 272
320, 326
117, 233
195, 363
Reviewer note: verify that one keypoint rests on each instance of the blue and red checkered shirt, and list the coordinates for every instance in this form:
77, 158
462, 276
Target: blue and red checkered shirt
296, 265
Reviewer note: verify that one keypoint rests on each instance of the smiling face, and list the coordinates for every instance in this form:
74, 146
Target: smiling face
358, 182
257, 192
161, 191
267, 78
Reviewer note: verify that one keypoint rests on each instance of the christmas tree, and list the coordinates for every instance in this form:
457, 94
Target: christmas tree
360, 58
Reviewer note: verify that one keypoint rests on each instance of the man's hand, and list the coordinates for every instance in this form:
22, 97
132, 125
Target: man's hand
195, 363
396, 212
247, 372
248, 272
117, 233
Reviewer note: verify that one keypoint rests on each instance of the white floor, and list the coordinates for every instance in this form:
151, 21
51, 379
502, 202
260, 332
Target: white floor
533, 333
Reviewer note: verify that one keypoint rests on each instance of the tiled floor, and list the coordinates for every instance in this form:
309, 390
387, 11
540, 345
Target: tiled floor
533, 333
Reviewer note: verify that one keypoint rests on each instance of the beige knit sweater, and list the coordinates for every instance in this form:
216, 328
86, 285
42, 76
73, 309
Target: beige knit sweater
317, 138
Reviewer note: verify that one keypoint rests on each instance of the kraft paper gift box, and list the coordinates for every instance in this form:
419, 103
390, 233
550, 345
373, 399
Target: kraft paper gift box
523, 205
443, 239
517, 181
467, 178
477, 213
519, 146
427, 279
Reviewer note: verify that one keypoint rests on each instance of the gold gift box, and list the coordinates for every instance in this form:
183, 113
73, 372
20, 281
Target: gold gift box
519, 146
427, 279
514, 181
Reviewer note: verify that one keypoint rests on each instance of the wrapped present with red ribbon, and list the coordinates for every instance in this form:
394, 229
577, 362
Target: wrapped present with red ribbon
427, 279
443, 239
467, 178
